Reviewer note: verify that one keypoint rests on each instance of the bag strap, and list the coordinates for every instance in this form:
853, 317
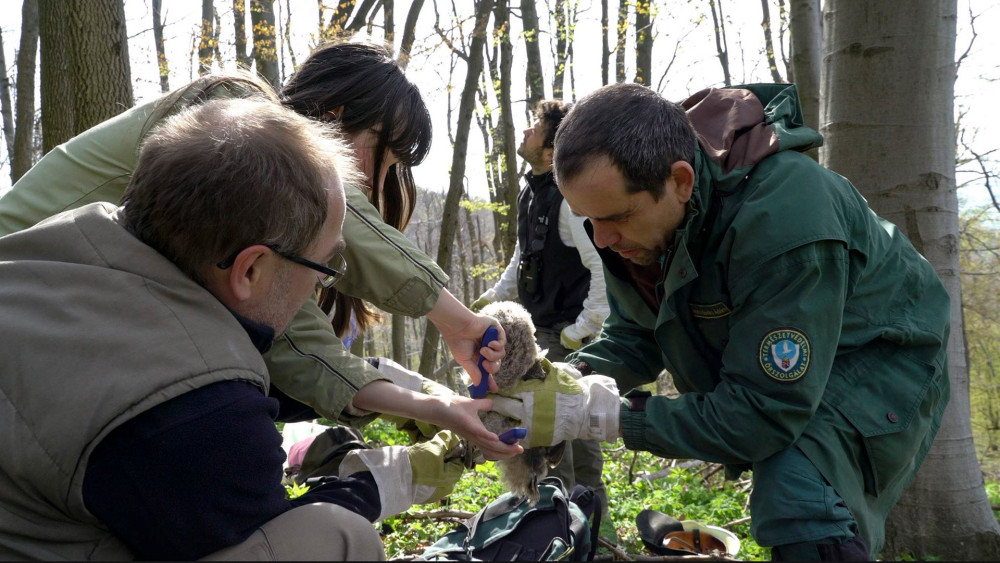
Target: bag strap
588, 500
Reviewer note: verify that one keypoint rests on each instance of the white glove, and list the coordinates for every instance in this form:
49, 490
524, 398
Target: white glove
562, 408
408, 475
409, 379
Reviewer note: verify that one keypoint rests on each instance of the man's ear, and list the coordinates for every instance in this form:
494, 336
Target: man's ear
252, 265
547, 154
683, 176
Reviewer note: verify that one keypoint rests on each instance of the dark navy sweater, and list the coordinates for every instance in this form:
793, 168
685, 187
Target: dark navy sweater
203, 471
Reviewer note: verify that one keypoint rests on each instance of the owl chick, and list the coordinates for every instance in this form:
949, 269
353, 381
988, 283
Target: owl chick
522, 472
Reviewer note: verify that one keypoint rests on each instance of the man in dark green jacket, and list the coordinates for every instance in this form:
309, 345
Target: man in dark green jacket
805, 333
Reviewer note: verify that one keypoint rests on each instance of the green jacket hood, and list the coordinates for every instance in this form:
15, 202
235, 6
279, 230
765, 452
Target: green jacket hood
740, 126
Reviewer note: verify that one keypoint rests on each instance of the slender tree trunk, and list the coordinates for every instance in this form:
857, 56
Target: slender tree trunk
216, 32
449, 218
644, 42
765, 24
620, 41
507, 138
721, 46
409, 33
534, 78
888, 117
605, 44
389, 22
364, 8
399, 340
265, 52
806, 28
205, 50
6, 108
571, 19
58, 100
338, 20
559, 14
287, 43
240, 28
24, 110
98, 50
163, 69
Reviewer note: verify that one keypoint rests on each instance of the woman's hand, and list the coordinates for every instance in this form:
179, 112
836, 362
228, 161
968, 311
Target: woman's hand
462, 330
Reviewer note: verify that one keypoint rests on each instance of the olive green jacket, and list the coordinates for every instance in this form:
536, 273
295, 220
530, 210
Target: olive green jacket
789, 315
308, 362
64, 389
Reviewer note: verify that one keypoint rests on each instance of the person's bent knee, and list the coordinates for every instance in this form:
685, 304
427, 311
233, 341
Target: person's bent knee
319, 531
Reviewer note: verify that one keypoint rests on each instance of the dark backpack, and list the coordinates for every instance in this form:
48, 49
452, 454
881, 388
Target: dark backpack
560, 526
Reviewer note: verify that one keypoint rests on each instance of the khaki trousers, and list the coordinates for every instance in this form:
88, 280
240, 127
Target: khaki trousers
314, 532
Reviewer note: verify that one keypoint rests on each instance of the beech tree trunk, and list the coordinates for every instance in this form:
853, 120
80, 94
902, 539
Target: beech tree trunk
534, 78
721, 45
6, 106
449, 218
161, 55
806, 28
24, 108
409, 33
643, 42
265, 52
622, 27
205, 50
765, 24
888, 117
58, 100
99, 63
240, 29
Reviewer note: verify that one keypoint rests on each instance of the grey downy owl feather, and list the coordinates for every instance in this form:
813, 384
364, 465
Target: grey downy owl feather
522, 472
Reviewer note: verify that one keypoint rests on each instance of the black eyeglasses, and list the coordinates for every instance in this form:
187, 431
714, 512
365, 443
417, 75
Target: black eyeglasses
331, 275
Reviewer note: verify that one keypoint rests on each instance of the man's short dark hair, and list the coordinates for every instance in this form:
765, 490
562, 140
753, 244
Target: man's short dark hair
228, 174
551, 113
639, 131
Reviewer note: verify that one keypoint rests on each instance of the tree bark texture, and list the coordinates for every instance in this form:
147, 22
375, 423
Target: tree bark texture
161, 55
409, 33
99, 62
644, 42
456, 186
389, 22
888, 118
559, 72
622, 27
240, 29
534, 77
605, 43
506, 136
58, 100
765, 24
205, 50
6, 105
265, 52
24, 107
719, 22
806, 27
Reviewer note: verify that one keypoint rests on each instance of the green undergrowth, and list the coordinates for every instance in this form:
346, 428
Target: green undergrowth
635, 481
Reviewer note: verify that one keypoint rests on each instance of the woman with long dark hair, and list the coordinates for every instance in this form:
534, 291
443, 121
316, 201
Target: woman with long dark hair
360, 87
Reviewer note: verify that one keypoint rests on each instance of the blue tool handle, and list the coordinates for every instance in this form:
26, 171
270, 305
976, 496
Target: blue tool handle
513, 435
479, 391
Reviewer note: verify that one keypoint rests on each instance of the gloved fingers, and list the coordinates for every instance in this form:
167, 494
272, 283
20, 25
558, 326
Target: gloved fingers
507, 406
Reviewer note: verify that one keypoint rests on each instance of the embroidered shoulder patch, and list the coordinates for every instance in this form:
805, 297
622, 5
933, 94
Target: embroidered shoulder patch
785, 354
710, 311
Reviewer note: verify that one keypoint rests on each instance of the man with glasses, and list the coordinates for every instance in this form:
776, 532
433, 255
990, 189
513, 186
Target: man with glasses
556, 274
135, 410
